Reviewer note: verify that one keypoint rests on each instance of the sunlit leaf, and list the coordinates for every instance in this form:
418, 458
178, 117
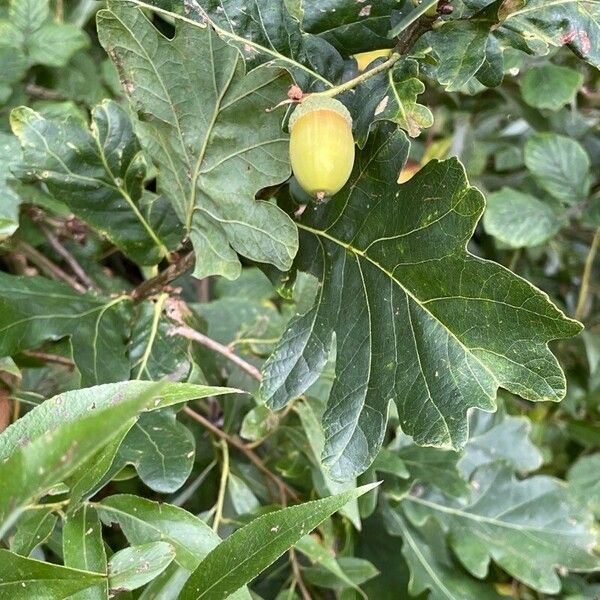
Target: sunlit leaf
251, 549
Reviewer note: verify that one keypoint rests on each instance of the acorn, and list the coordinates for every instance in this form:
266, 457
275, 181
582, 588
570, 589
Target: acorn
364, 59
321, 145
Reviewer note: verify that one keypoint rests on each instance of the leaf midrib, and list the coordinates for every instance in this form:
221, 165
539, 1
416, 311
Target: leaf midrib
233, 36
360, 253
278, 534
461, 514
415, 547
219, 95
121, 188
63, 316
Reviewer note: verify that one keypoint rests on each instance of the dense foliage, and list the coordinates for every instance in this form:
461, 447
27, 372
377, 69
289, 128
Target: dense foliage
215, 385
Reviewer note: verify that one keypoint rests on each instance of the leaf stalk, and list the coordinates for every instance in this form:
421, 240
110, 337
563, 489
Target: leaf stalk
586, 277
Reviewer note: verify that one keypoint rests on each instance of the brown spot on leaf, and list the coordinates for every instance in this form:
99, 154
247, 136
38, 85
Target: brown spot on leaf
381, 106
125, 81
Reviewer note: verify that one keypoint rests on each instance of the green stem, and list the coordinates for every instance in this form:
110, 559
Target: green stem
158, 307
415, 14
352, 83
587, 276
59, 13
414, 30
53, 505
222, 486
514, 259
187, 493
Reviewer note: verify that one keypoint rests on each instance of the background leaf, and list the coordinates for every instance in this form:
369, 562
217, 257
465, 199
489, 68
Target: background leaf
432, 567
520, 220
584, 481
41, 40
95, 324
10, 199
43, 461
525, 526
550, 86
34, 528
560, 165
161, 449
499, 437
144, 521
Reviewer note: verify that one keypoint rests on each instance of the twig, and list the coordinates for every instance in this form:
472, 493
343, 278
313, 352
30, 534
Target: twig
16, 410
196, 336
586, 92
48, 267
50, 358
5, 409
587, 276
155, 284
514, 259
222, 486
298, 575
69, 259
234, 441
41, 93
413, 32
352, 83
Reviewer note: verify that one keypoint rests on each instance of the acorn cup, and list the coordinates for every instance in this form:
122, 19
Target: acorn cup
321, 145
